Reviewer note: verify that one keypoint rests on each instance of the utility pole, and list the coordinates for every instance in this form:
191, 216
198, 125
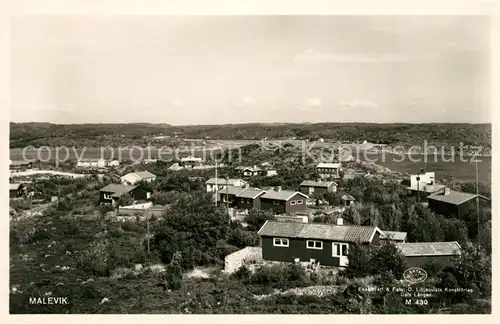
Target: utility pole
147, 214
216, 184
477, 200
418, 188
227, 192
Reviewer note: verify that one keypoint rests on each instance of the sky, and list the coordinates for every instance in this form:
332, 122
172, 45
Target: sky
189, 70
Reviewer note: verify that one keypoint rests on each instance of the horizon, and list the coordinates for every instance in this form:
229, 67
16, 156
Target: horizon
252, 123
221, 70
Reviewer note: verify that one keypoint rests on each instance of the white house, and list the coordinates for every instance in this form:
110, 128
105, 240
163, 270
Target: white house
113, 163
218, 184
328, 170
134, 177
91, 163
426, 178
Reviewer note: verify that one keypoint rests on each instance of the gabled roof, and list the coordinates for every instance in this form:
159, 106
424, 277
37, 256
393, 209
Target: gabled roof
392, 235
312, 183
429, 248
231, 190
251, 168
14, 186
251, 193
141, 175
343, 233
118, 189
328, 165
281, 195
222, 181
454, 197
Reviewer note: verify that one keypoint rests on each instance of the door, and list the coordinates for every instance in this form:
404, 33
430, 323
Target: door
341, 250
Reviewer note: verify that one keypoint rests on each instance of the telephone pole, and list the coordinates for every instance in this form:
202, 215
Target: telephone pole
477, 201
216, 184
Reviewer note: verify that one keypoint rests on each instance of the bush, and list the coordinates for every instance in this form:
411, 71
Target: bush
281, 276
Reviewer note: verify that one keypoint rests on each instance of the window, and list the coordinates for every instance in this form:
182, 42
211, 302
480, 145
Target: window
318, 245
292, 202
283, 242
340, 249
276, 202
299, 202
107, 195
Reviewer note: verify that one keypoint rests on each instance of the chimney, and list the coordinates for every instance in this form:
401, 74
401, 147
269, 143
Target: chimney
254, 166
447, 191
340, 221
278, 188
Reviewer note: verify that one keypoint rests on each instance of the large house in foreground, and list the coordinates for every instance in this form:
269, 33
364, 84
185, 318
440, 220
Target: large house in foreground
420, 254
324, 243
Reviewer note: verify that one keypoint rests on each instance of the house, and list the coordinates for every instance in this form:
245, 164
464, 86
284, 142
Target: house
113, 163
420, 254
149, 161
393, 237
451, 202
424, 184
91, 163
16, 190
190, 162
283, 201
313, 242
252, 171
20, 165
328, 170
348, 200
134, 177
249, 198
310, 187
270, 172
229, 193
113, 192
218, 184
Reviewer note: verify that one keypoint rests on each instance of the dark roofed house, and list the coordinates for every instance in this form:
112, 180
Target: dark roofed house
228, 195
420, 254
324, 243
249, 198
252, 171
113, 192
283, 201
16, 190
451, 202
310, 187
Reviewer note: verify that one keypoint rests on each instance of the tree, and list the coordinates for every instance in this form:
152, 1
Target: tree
257, 217
173, 272
193, 227
388, 258
359, 261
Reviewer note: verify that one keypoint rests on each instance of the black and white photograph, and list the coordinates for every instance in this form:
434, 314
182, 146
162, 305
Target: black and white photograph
250, 164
